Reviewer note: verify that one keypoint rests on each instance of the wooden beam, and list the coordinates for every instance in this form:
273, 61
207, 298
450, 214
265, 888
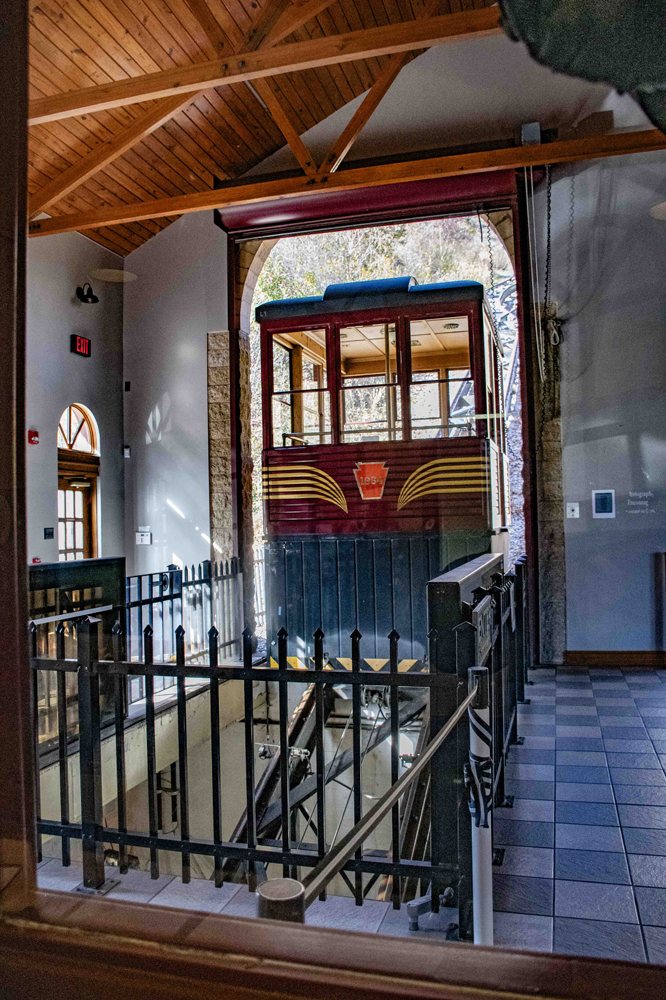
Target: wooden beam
165, 109
284, 123
587, 148
366, 44
105, 153
298, 14
361, 116
370, 102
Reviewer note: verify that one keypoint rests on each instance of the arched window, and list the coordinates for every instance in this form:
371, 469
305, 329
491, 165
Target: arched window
78, 470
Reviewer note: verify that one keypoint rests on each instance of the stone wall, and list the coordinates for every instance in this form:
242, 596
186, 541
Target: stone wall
219, 446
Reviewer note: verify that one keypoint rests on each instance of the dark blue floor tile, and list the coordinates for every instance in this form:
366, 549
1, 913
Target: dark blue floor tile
584, 699
595, 775
530, 789
595, 901
641, 760
567, 791
521, 894
621, 710
579, 721
523, 755
586, 813
590, 744
598, 939
591, 866
582, 758
623, 733
589, 838
659, 745
532, 729
523, 833
637, 776
641, 841
640, 795
646, 817
536, 709
651, 905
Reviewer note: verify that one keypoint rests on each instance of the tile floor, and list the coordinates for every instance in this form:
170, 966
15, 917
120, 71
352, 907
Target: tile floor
584, 868
585, 862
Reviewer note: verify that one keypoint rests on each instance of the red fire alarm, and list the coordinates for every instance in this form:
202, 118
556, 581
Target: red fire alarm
36, 560
33, 437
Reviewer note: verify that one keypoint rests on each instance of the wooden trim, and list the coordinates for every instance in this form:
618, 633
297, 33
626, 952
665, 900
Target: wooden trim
637, 659
106, 152
590, 147
296, 15
17, 811
100, 947
331, 49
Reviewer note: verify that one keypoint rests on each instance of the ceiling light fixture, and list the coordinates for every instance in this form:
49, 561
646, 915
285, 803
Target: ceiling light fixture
659, 211
113, 275
86, 296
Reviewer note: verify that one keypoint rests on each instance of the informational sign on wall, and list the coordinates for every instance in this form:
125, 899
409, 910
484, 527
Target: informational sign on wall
641, 503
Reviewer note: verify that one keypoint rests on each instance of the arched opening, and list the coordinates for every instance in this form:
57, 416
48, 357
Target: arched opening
78, 472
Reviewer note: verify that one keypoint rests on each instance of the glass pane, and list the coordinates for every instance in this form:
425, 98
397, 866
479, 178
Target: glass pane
69, 535
78, 504
78, 533
70, 557
61, 534
61, 503
299, 360
62, 443
301, 418
79, 555
437, 345
369, 351
69, 503
370, 412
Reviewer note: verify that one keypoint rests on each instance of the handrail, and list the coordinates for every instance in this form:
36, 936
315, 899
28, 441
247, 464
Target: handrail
72, 614
288, 899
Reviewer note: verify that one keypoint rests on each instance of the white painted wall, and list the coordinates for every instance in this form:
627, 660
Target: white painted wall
179, 297
55, 378
471, 91
613, 400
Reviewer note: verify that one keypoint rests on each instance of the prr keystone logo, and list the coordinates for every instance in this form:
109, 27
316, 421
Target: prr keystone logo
371, 479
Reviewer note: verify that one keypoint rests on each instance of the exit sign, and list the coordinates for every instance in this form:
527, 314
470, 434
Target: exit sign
79, 345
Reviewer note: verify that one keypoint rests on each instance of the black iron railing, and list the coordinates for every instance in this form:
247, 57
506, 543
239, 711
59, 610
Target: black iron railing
475, 620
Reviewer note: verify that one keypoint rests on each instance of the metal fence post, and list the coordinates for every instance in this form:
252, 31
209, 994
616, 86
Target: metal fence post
90, 760
480, 774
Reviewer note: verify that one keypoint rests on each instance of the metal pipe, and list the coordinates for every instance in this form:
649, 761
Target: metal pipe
319, 877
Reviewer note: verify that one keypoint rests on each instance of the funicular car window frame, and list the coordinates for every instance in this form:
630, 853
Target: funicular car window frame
332, 322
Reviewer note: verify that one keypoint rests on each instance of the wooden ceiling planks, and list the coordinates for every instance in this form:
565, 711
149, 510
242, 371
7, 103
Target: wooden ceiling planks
221, 133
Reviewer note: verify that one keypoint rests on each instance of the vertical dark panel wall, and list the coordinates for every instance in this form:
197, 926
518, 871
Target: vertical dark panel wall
16, 807
373, 584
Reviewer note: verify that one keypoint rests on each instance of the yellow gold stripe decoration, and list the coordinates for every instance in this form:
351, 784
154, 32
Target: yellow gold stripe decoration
446, 475
303, 482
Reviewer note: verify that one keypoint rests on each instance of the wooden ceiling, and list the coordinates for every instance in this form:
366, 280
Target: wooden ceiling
217, 133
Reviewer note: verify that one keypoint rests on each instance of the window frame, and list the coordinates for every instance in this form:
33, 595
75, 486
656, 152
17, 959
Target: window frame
401, 316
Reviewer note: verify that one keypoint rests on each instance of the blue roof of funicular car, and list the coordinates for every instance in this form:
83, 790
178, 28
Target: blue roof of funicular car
353, 296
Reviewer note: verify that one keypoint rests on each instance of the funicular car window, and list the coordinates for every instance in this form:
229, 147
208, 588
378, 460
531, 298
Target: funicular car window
441, 393
301, 408
370, 400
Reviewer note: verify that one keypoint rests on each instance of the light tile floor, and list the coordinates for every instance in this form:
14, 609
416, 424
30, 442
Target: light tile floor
584, 867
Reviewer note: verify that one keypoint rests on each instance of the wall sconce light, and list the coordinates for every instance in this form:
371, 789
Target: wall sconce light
86, 296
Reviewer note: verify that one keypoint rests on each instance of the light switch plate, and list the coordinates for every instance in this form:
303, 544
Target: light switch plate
144, 538
573, 510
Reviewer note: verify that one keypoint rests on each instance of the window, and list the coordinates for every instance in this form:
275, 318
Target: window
370, 402
301, 408
78, 469
441, 393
